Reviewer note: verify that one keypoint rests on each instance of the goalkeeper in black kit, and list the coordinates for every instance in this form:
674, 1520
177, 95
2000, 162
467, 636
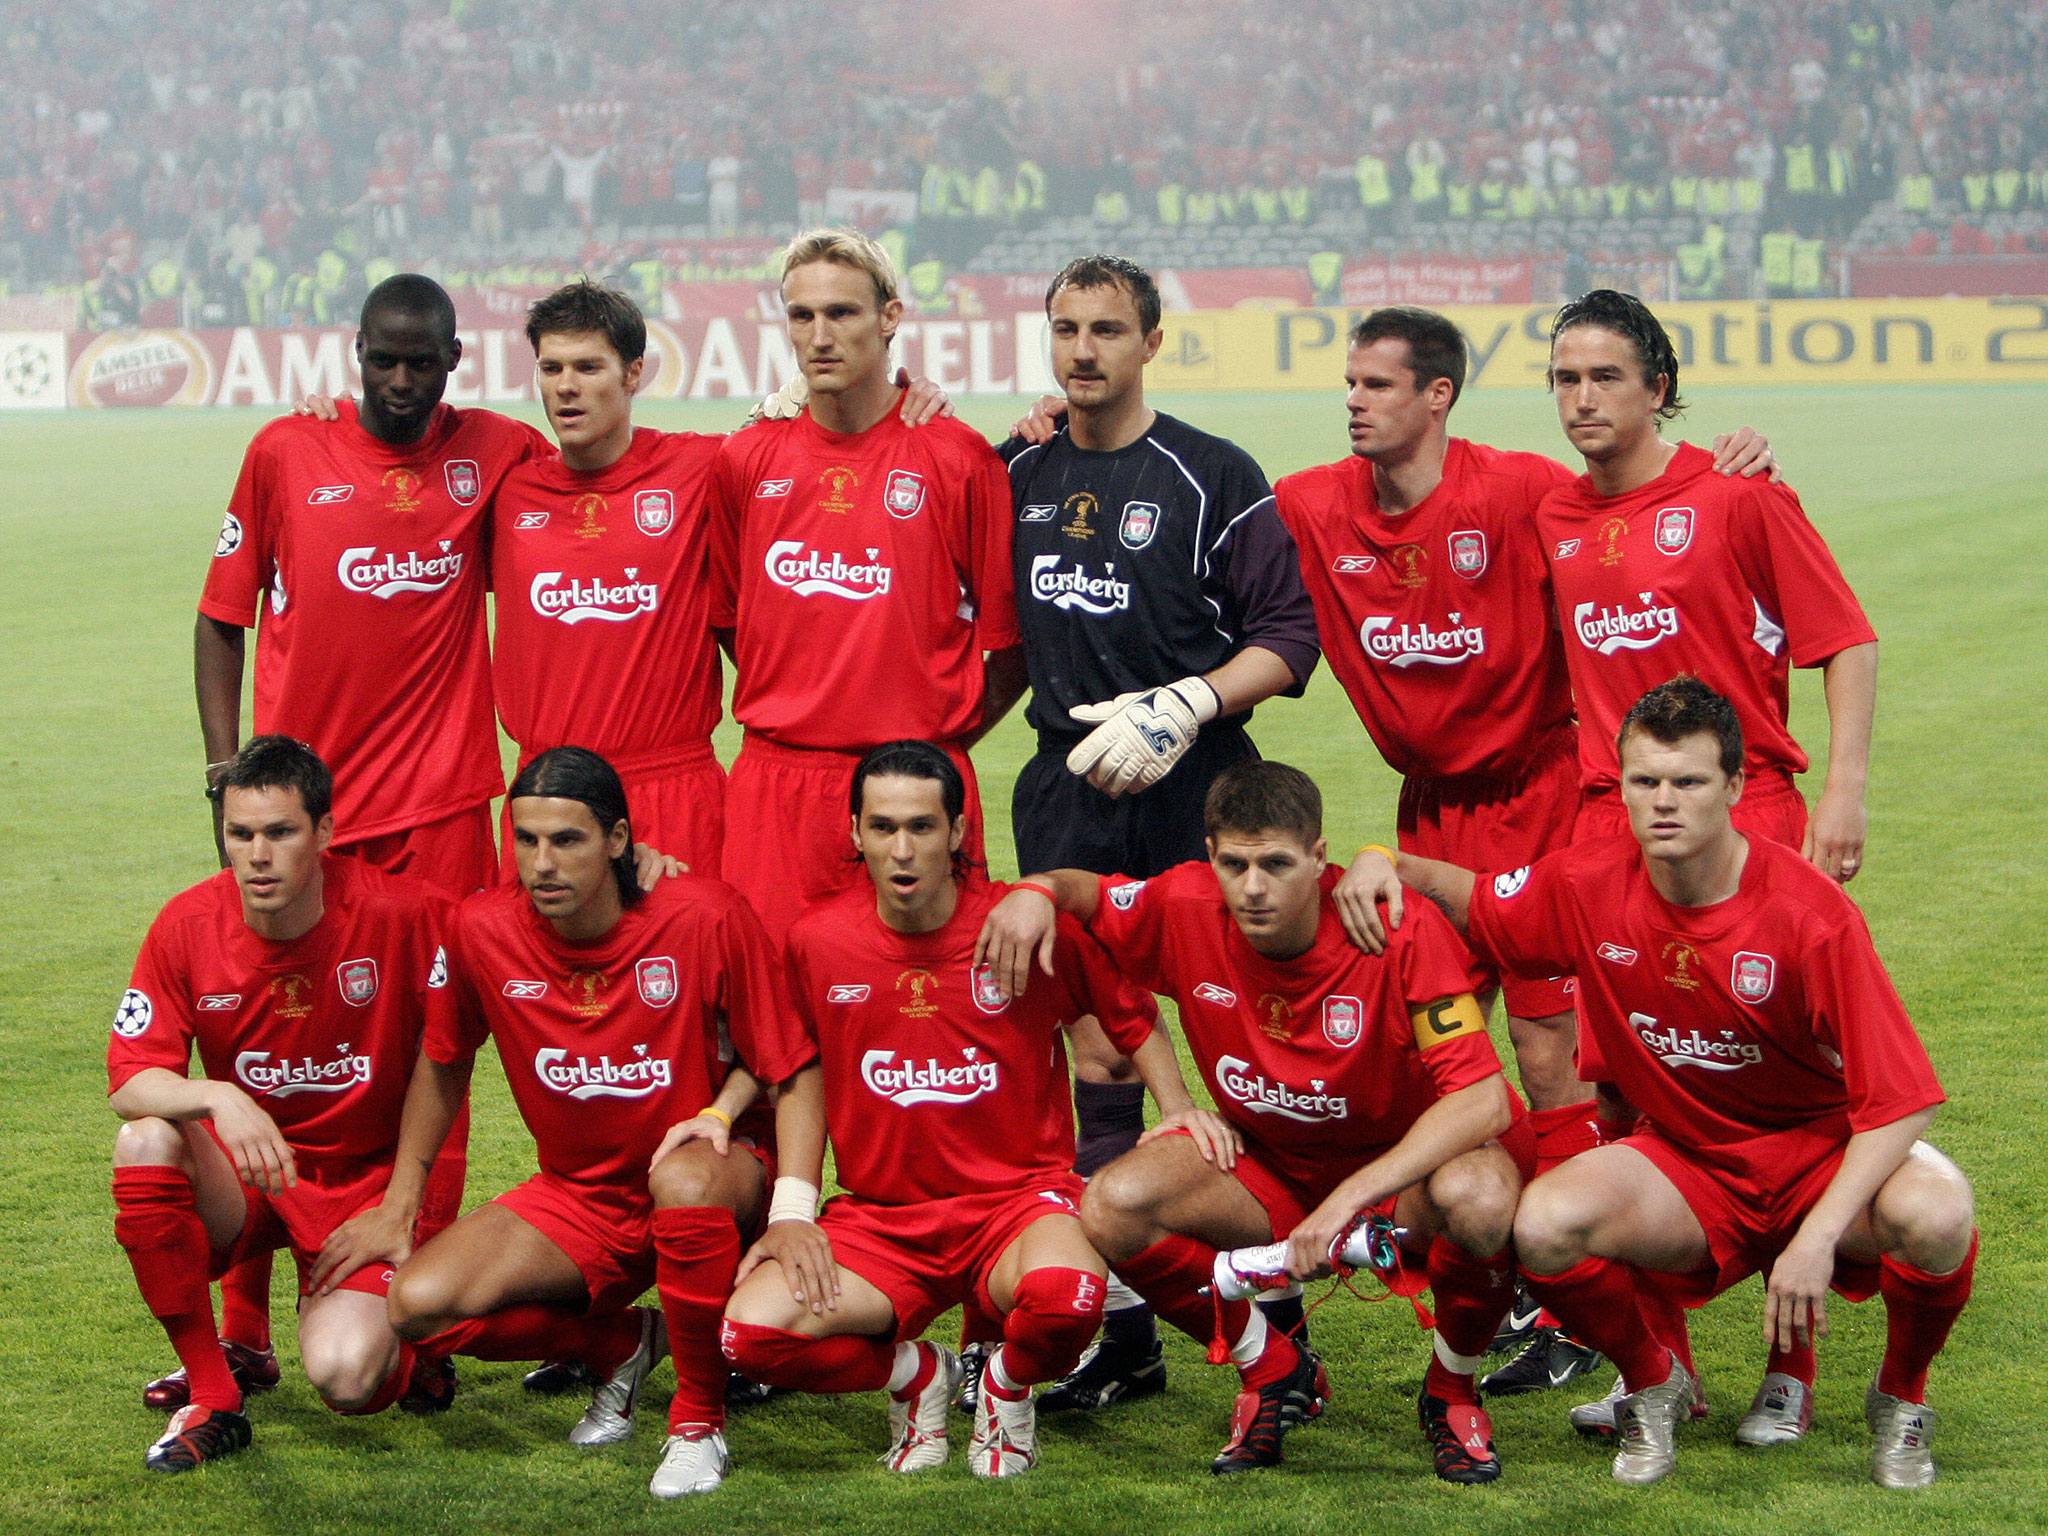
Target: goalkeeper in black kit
1160, 600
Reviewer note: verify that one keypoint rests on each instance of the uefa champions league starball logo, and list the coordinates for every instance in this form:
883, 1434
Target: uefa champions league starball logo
25, 371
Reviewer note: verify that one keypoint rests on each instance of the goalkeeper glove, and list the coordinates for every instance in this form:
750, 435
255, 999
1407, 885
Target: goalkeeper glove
786, 402
1141, 735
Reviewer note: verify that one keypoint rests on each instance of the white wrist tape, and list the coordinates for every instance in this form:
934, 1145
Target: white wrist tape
794, 1200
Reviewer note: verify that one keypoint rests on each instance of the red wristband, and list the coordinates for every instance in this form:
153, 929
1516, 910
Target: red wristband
1033, 885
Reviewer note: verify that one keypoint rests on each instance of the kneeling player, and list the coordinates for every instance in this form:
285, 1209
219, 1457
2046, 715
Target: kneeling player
1355, 1084
1733, 996
616, 1014
304, 979
947, 1107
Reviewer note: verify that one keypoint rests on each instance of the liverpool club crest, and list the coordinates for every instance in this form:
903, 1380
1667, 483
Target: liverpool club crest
1468, 553
1753, 976
464, 483
1342, 1020
654, 512
358, 980
657, 977
904, 494
1674, 530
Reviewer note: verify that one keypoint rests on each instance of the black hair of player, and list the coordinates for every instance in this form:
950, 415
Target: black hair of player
912, 759
579, 774
1111, 272
1629, 317
1684, 707
279, 762
1436, 347
1264, 796
585, 308
411, 294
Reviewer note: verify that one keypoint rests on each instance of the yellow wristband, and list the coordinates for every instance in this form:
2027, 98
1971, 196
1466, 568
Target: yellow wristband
713, 1109
1385, 852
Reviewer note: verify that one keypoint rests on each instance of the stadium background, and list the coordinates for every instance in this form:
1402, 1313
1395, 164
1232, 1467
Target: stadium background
1909, 422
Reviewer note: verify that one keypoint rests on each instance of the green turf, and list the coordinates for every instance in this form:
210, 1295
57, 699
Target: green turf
1932, 499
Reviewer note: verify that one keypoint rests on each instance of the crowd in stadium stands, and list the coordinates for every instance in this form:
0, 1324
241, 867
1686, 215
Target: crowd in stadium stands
255, 161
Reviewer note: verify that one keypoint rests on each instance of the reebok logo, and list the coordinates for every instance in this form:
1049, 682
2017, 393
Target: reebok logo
773, 488
1354, 565
526, 989
328, 495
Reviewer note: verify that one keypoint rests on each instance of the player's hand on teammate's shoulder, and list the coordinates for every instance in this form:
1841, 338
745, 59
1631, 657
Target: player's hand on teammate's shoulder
322, 407
1041, 423
1368, 880
382, 1234
1022, 925
923, 399
702, 1127
1746, 452
1834, 836
805, 1254
261, 1155
1214, 1137
651, 866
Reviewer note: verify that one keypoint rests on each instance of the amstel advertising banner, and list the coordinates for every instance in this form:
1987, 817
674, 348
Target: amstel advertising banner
1844, 341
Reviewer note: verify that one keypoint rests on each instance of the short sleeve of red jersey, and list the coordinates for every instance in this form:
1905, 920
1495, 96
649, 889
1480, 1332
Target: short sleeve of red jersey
1435, 964
456, 1027
1125, 1011
724, 499
990, 520
1519, 919
772, 1043
1857, 1012
1783, 556
241, 563
1132, 928
153, 1021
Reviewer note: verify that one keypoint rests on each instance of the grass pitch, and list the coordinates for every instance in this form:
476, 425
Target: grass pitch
1933, 501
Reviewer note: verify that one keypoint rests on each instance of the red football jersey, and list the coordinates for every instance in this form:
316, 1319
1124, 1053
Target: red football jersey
368, 560
1438, 622
935, 1083
322, 1032
1314, 1059
607, 1044
1695, 572
1759, 1013
865, 575
604, 619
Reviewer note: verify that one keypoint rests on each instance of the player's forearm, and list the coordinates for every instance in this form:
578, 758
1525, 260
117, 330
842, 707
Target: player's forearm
1159, 1068
1455, 1124
736, 1096
1444, 884
1849, 679
1870, 1158
1248, 679
166, 1095
1075, 892
217, 652
432, 1101
800, 1127
1003, 681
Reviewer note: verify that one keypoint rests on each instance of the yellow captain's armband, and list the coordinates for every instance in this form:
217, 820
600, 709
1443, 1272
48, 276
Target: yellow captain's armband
1446, 1019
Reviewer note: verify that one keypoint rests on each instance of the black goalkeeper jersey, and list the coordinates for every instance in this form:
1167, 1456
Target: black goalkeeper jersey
1146, 565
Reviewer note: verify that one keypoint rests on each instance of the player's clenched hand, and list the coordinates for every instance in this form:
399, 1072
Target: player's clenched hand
805, 1254
1834, 836
382, 1234
1795, 1298
1214, 1137
254, 1144
702, 1128
651, 866
1141, 735
1021, 927
1746, 452
923, 400
1367, 881
321, 407
1042, 422
1309, 1245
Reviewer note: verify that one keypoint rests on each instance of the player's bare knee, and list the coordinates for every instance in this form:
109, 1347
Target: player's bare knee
764, 1301
1550, 1232
1926, 1212
347, 1372
683, 1178
1476, 1195
150, 1142
1116, 1208
422, 1302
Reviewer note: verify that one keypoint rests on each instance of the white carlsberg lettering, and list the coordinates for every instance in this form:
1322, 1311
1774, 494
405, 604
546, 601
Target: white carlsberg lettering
1413, 643
634, 1078
1077, 589
807, 572
574, 601
379, 575
1618, 629
281, 1079
1259, 1094
1726, 1053
927, 1082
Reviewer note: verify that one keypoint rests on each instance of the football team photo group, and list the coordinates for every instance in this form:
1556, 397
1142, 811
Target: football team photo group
800, 1075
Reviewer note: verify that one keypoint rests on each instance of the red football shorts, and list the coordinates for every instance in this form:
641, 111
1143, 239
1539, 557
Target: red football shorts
933, 1255
1750, 1198
608, 1234
1482, 823
789, 830
1771, 806
303, 1217
454, 853
676, 802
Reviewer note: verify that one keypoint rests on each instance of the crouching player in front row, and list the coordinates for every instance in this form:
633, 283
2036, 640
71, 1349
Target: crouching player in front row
635, 1030
306, 981
947, 1106
1347, 1084
1732, 995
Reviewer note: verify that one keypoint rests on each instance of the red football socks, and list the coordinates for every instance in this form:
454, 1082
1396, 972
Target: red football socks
849, 1362
1055, 1314
245, 1302
1471, 1296
1798, 1362
1170, 1276
536, 1330
1666, 1318
1919, 1311
156, 1219
1596, 1301
696, 1253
